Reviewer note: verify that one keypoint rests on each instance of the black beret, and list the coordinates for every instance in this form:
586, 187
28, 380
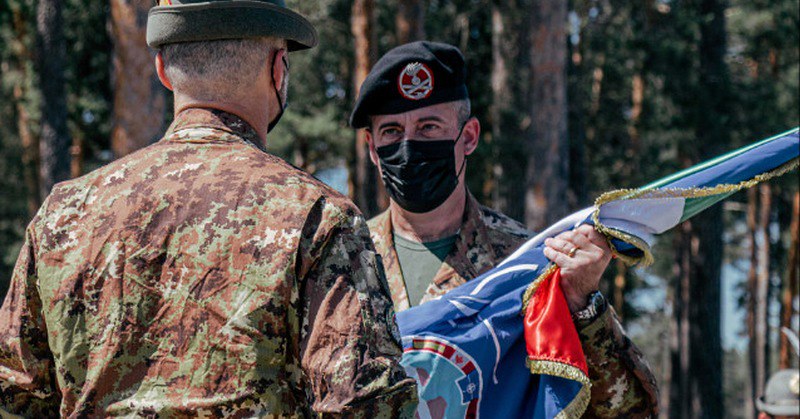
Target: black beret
174, 21
409, 77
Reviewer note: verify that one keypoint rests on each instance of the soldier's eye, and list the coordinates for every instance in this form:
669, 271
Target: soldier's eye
430, 129
388, 132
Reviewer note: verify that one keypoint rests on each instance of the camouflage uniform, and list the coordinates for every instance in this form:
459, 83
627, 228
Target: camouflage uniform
622, 383
199, 276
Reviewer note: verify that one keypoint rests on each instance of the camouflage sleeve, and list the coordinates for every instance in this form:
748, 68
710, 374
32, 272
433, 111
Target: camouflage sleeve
622, 384
350, 348
27, 378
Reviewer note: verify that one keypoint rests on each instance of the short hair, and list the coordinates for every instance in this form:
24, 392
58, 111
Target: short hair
208, 69
463, 110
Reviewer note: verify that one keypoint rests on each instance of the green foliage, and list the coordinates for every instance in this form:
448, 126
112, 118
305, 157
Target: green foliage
16, 37
89, 101
314, 128
88, 73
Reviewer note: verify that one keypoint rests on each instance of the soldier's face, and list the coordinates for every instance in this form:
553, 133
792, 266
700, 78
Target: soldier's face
432, 123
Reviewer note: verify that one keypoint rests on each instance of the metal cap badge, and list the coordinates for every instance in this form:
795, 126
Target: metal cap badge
415, 81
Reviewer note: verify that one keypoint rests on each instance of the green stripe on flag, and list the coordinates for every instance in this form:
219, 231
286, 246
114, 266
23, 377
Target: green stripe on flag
694, 169
696, 205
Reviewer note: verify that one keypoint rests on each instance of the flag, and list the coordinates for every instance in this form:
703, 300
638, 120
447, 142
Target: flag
504, 344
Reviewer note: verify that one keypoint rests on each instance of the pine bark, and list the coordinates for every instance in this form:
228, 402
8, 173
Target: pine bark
410, 21
791, 286
697, 369
54, 139
369, 197
548, 162
29, 141
139, 99
510, 36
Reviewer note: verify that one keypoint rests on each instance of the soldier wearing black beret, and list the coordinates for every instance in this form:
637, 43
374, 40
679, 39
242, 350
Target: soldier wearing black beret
435, 236
201, 276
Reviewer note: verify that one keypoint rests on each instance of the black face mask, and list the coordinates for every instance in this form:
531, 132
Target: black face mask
283, 105
420, 175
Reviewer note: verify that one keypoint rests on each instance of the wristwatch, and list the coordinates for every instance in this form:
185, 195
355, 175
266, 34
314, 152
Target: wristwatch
597, 306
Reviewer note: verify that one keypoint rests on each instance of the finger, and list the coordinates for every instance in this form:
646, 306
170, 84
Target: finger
581, 241
560, 245
585, 229
595, 237
560, 259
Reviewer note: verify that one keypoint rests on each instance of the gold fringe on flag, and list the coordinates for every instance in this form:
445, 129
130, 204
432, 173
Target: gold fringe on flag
628, 194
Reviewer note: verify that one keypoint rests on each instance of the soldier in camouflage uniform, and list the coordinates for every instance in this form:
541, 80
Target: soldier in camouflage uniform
202, 276
435, 236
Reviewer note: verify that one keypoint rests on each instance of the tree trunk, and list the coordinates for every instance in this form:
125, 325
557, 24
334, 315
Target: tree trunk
410, 21
547, 173
139, 99
618, 299
758, 210
29, 142
755, 345
367, 195
30, 151
679, 393
791, 286
700, 395
503, 190
54, 141
76, 155
763, 272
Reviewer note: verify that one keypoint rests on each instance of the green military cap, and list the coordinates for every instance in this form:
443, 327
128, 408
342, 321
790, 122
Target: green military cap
173, 21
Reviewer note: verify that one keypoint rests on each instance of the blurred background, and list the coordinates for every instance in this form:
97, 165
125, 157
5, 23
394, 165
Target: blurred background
599, 94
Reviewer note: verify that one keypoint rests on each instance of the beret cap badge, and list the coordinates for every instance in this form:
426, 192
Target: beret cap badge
415, 81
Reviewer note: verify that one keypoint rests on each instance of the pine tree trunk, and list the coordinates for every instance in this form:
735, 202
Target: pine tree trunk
548, 162
791, 286
54, 142
30, 151
367, 194
755, 348
509, 94
618, 298
712, 133
29, 142
139, 99
410, 21
758, 219
763, 290
680, 397
700, 367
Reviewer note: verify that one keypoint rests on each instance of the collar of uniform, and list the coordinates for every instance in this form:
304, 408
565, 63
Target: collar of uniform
466, 259
215, 119
381, 232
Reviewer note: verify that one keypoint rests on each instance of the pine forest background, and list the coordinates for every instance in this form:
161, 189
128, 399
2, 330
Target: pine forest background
574, 98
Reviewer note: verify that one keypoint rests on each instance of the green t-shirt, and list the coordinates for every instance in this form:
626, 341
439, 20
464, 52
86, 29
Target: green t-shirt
419, 263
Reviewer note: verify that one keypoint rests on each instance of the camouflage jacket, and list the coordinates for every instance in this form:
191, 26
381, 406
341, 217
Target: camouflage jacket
622, 383
199, 276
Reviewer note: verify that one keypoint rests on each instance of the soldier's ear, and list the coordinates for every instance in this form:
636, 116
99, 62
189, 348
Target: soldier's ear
470, 135
280, 66
162, 74
373, 155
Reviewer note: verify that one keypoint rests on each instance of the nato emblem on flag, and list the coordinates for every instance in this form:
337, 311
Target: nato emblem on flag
504, 344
